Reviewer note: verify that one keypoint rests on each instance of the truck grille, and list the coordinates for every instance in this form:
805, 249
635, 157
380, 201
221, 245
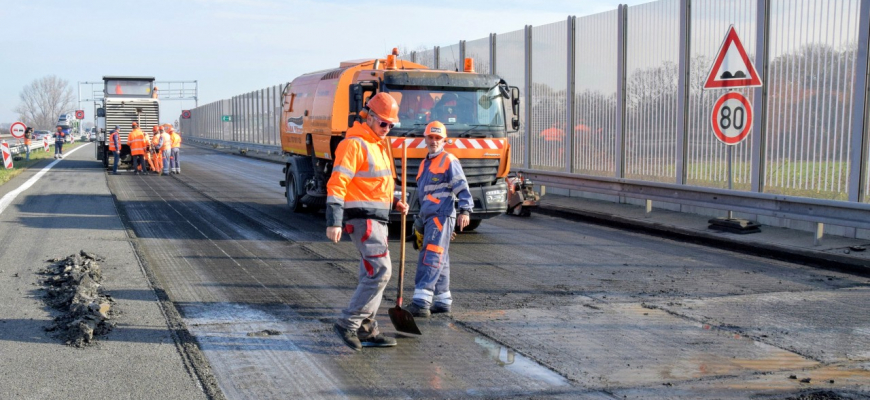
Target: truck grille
479, 172
122, 113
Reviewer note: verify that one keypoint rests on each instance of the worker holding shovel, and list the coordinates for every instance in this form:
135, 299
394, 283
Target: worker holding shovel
440, 181
360, 195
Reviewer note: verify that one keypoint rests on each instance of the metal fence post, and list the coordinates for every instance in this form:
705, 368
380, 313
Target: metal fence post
622, 20
858, 152
527, 141
683, 91
492, 37
569, 96
759, 98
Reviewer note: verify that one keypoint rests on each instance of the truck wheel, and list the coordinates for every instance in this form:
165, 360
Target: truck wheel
292, 197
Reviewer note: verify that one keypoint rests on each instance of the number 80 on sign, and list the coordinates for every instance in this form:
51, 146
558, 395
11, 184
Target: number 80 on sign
732, 118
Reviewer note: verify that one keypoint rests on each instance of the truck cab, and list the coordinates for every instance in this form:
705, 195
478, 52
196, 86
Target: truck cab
479, 111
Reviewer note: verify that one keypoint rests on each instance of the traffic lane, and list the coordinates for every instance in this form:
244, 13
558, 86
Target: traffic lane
526, 264
233, 279
67, 210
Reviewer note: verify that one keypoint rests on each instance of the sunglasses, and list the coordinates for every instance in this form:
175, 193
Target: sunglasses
383, 124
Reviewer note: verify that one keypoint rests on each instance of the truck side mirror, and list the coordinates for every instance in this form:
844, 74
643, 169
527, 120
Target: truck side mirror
101, 112
357, 98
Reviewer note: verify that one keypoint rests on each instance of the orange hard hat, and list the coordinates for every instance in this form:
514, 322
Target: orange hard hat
135, 124
168, 127
435, 128
154, 128
385, 107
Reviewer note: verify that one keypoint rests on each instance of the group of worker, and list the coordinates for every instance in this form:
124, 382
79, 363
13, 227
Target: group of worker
360, 195
160, 149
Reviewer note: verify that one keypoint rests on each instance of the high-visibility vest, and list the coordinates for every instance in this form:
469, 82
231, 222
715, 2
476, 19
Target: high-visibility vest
167, 144
362, 177
136, 141
115, 138
176, 140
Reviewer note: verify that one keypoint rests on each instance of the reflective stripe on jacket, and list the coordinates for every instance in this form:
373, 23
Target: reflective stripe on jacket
176, 139
440, 181
136, 141
362, 182
114, 141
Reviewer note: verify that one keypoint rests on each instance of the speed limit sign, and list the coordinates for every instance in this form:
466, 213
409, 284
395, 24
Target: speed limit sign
732, 118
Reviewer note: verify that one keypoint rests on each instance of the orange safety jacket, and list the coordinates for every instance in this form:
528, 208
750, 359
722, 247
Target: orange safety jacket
362, 181
176, 139
115, 138
136, 141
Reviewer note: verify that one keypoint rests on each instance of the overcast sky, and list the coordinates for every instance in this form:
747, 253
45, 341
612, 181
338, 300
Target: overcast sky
234, 46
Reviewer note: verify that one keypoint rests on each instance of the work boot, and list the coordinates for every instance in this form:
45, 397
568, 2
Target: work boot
440, 308
418, 311
378, 341
348, 336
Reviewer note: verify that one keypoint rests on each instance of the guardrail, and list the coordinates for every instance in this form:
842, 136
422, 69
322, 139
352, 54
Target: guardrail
247, 147
819, 211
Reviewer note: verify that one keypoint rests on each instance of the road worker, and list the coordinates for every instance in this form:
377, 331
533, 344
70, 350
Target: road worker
115, 147
164, 147
136, 141
440, 182
175, 138
155, 161
359, 198
28, 139
58, 142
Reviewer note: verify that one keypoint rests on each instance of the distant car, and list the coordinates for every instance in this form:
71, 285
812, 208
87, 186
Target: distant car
38, 135
92, 136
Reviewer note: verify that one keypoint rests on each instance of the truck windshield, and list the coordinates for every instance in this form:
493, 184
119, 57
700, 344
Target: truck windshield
472, 111
128, 88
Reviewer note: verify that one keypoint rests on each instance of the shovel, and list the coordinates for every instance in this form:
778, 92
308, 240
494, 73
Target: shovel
401, 318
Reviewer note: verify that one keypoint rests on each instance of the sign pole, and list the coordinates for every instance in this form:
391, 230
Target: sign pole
730, 174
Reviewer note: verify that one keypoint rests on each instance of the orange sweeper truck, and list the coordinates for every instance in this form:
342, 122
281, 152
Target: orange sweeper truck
479, 111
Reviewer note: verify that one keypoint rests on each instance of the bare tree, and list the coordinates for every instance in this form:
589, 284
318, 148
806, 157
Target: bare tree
43, 100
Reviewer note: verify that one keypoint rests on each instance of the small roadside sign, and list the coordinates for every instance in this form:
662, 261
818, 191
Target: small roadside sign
732, 118
227, 118
45, 143
7, 155
185, 114
17, 129
80, 114
732, 67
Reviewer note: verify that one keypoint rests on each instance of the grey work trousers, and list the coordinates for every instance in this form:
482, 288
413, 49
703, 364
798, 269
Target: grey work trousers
370, 238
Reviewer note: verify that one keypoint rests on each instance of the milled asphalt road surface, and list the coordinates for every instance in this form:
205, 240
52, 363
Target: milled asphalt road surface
67, 210
544, 307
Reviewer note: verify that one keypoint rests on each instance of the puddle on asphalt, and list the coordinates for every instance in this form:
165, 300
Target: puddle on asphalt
519, 364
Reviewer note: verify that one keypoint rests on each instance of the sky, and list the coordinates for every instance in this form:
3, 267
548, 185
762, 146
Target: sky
230, 47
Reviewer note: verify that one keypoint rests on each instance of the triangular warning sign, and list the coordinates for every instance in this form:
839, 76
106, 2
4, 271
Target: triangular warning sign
732, 67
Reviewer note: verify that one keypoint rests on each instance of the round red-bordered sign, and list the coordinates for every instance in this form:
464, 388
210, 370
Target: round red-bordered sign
185, 114
17, 130
80, 114
732, 118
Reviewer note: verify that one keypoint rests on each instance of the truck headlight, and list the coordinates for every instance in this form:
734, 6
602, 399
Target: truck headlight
496, 196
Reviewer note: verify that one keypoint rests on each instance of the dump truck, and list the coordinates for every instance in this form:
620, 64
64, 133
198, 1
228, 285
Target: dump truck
479, 110
126, 99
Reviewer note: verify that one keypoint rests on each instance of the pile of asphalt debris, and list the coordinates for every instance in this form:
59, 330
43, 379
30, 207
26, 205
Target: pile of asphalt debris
72, 287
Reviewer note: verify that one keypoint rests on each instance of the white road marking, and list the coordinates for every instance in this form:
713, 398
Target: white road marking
9, 197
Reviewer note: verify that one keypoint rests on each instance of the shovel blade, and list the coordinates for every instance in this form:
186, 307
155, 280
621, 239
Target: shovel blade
403, 320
